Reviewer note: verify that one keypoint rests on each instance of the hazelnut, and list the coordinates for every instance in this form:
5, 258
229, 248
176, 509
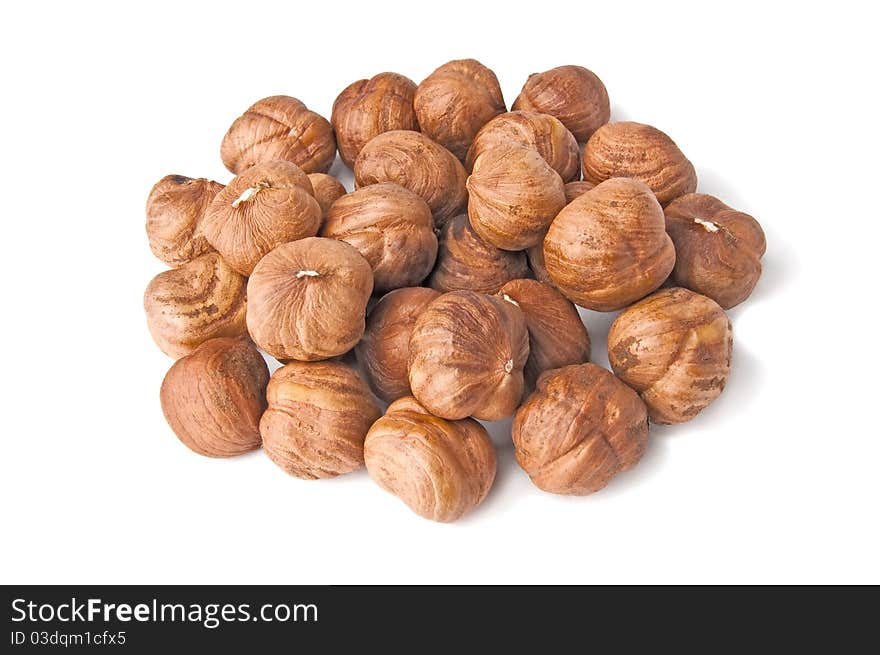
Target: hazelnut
557, 335
609, 247
718, 250
673, 348
318, 416
455, 101
442, 469
175, 209
466, 262
383, 352
327, 190
467, 352
267, 205
573, 94
413, 161
535, 256
214, 397
199, 300
514, 195
642, 152
307, 299
576, 189
543, 132
367, 108
580, 428
279, 127
392, 228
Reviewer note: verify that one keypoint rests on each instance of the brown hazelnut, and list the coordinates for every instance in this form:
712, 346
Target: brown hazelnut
392, 228
535, 256
383, 352
267, 205
543, 132
175, 209
576, 189
213, 398
514, 195
609, 247
318, 416
573, 94
307, 299
327, 190
200, 300
279, 127
580, 428
442, 469
718, 250
642, 152
557, 335
413, 161
455, 101
467, 352
466, 262
673, 348
367, 108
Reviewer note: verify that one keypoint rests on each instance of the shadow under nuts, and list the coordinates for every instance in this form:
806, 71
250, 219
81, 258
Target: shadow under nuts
466, 356
441, 469
674, 348
580, 428
327, 190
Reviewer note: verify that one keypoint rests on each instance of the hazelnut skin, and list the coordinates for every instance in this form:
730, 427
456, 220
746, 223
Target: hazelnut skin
467, 352
307, 299
576, 189
367, 108
417, 163
580, 428
718, 250
573, 94
441, 469
175, 209
535, 256
642, 152
455, 101
279, 127
383, 352
318, 416
200, 300
392, 228
514, 195
267, 205
466, 262
674, 349
213, 398
609, 247
327, 190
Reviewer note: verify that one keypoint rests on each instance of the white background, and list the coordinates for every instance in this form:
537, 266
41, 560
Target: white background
776, 482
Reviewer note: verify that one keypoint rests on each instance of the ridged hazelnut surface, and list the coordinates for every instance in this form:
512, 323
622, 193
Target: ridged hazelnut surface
392, 228
718, 250
307, 299
367, 108
535, 257
642, 152
466, 262
580, 428
609, 247
467, 352
543, 132
213, 398
197, 301
175, 209
318, 416
279, 127
267, 205
383, 352
417, 163
573, 94
577, 189
513, 196
327, 190
674, 348
441, 469
455, 101
557, 335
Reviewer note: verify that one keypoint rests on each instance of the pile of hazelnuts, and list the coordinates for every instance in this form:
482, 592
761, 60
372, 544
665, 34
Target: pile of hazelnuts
446, 284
